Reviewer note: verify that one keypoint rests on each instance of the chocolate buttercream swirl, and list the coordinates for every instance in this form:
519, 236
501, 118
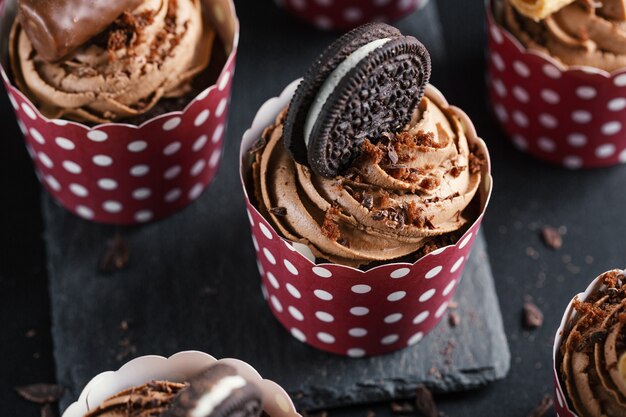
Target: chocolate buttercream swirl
583, 33
593, 367
146, 400
148, 53
403, 192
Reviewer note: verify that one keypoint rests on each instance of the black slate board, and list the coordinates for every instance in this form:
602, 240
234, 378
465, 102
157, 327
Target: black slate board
192, 281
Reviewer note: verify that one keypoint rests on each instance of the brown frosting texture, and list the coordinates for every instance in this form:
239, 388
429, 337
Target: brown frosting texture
147, 400
593, 353
146, 54
406, 194
582, 33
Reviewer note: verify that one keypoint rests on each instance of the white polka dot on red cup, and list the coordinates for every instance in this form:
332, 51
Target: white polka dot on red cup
29, 111
620, 80
202, 117
290, 267
457, 264
421, 317
224, 81
322, 272
265, 231
37, 136
416, 338
298, 334
501, 113
521, 69
359, 311
581, 116
605, 151
195, 191
611, 128
13, 102
172, 148
324, 316
352, 14
520, 94
400, 273
78, 190
520, 118
361, 289
357, 332
64, 143
217, 134
356, 352
72, 167
112, 206
396, 296
172, 172
85, 212
53, 183
197, 168
442, 309
498, 85
172, 123
143, 216
276, 303
496, 34
465, 240
45, 160
293, 291
60, 122
427, 295
139, 170
617, 104
272, 279
107, 184
548, 121
295, 313
102, 160
546, 144
520, 142
498, 62
551, 71
586, 92
141, 193
221, 107
393, 318
550, 96
323, 295
622, 157
572, 162
173, 195
269, 256
97, 135
577, 140
433, 272
449, 288
326, 337
390, 339
323, 22
215, 158
255, 243
137, 146
199, 143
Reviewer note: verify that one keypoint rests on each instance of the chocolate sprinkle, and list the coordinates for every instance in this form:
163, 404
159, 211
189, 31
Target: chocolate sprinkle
425, 403
40, 393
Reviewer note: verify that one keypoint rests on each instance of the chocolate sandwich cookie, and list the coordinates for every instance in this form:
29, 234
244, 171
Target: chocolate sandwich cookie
369, 82
219, 391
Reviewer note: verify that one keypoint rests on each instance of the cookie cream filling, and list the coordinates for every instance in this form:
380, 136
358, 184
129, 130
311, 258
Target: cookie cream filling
333, 81
211, 400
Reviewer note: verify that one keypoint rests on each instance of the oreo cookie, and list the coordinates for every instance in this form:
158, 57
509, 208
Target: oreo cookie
366, 83
218, 391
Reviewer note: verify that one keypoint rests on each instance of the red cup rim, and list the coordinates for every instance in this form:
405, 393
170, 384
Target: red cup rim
270, 109
231, 57
573, 69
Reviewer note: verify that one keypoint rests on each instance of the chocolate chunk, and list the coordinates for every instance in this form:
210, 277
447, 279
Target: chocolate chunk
454, 319
533, 316
425, 403
598, 336
41, 393
543, 407
56, 28
279, 211
116, 256
552, 237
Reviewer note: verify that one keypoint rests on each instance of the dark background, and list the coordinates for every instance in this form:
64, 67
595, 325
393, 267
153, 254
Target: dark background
528, 195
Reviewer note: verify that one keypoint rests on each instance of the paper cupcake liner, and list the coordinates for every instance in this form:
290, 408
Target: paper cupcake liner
574, 117
344, 310
125, 174
177, 368
561, 403
347, 14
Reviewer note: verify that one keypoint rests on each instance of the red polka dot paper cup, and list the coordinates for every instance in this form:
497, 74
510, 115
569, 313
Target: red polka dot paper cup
560, 397
344, 310
177, 368
347, 14
574, 117
125, 174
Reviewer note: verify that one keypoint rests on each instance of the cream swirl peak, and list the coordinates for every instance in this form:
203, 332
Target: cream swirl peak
146, 54
581, 33
593, 351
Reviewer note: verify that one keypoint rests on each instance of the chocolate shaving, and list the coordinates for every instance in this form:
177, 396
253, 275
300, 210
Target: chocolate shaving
424, 402
368, 200
279, 211
551, 237
402, 408
116, 256
543, 407
257, 146
41, 393
598, 336
533, 316
380, 215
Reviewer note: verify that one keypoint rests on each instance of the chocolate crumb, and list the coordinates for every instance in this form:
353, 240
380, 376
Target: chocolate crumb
552, 237
116, 256
124, 325
454, 319
279, 211
533, 316
402, 408
424, 402
47, 411
453, 304
543, 407
368, 200
40, 393
30, 333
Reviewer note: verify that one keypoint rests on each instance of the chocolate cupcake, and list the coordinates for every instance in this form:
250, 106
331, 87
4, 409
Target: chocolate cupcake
557, 73
366, 174
122, 103
590, 351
